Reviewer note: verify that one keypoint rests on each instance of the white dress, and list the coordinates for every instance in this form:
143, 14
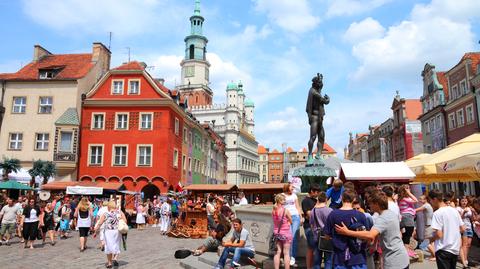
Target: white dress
111, 234
140, 216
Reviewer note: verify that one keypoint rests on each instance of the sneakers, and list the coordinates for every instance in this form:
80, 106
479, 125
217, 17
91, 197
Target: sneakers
236, 264
292, 261
217, 267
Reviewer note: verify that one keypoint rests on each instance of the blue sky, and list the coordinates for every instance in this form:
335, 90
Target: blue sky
366, 49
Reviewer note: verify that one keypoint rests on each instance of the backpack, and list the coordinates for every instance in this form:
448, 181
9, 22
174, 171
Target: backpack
59, 213
356, 245
174, 207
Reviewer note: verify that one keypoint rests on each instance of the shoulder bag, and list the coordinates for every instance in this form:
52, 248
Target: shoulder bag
272, 247
324, 244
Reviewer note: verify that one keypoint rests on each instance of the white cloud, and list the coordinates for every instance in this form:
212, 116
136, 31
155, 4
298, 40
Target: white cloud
364, 30
434, 33
293, 16
352, 7
122, 17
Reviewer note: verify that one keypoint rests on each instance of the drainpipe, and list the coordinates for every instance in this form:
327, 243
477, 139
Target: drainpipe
79, 139
2, 108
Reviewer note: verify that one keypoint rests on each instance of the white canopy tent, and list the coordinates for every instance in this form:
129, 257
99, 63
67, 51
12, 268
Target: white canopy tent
82, 190
22, 176
376, 172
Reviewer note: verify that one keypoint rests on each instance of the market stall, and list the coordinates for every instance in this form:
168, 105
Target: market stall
265, 191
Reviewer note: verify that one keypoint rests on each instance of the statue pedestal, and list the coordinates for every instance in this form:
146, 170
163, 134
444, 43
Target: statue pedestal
314, 172
257, 220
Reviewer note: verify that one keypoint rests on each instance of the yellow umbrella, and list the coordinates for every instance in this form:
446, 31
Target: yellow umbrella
461, 157
457, 162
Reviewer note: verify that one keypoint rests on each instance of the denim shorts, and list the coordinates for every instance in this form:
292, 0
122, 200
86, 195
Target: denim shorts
312, 244
468, 233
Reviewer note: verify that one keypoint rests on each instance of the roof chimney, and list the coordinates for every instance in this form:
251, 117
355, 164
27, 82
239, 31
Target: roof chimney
39, 52
101, 54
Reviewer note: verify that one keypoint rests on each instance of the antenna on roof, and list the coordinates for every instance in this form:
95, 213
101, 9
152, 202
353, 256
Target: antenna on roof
109, 40
128, 48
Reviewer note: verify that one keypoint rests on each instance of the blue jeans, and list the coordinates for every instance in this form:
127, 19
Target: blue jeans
294, 228
237, 254
359, 266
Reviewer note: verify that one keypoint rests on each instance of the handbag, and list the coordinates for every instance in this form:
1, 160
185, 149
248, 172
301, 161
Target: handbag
272, 247
324, 244
122, 226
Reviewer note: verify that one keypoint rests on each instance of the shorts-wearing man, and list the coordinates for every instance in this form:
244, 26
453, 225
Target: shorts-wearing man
8, 214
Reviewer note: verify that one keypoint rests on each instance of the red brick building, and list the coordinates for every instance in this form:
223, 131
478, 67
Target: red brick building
131, 132
275, 166
460, 111
407, 130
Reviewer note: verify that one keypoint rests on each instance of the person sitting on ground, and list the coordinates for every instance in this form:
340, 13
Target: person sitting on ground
240, 244
212, 242
387, 226
334, 194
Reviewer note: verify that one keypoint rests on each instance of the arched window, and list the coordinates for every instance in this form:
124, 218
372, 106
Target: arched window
196, 99
192, 51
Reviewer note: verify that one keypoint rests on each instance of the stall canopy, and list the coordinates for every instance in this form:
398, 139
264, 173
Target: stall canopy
23, 176
458, 162
62, 185
261, 188
376, 172
82, 190
211, 188
13, 185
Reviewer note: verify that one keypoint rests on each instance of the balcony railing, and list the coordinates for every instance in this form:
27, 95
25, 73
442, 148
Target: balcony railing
64, 157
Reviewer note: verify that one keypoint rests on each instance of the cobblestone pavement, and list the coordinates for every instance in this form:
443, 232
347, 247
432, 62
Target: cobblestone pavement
145, 249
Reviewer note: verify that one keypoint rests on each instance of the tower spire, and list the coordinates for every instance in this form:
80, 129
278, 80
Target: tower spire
196, 12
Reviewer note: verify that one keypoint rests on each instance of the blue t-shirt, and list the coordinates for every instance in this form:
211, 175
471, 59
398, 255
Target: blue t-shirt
341, 242
335, 196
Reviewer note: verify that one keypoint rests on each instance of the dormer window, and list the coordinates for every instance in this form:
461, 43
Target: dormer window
117, 86
47, 73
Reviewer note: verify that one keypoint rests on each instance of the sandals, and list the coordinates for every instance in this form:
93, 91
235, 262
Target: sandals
115, 263
108, 265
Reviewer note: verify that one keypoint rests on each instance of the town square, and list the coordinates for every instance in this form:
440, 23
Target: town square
218, 134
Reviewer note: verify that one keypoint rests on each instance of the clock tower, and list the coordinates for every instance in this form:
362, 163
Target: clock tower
195, 67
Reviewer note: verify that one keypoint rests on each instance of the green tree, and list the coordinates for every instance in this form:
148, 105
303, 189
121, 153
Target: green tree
49, 170
44, 169
10, 165
36, 171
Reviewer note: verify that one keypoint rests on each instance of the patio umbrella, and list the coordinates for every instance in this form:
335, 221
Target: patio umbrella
13, 185
435, 167
461, 157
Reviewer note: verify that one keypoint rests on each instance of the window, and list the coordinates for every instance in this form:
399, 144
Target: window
98, 120
45, 105
65, 142
469, 112
185, 137
144, 154
432, 125
175, 158
184, 162
463, 87
19, 104
189, 71
96, 155
177, 126
451, 121
189, 164
438, 121
460, 118
120, 155
41, 141
146, 121
117, 86
134, 86
15, 142
121, 121
427, 127
454, 92
46, 74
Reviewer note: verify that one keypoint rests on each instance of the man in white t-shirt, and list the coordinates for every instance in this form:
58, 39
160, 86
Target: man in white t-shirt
447, 226
243, 200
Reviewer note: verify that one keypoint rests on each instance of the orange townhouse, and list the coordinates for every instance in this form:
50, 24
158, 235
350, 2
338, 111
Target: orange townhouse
131, 132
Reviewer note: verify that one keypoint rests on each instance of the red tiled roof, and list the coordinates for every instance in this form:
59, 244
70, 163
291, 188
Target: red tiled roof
261, 149
72, 66
275, 151
328, 149
304, 150
289, 149
413, 108
134, 65
442, 79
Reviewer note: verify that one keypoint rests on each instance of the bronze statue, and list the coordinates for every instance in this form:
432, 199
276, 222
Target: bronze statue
316, 111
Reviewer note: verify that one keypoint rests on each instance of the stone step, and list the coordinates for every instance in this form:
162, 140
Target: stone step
192, 262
